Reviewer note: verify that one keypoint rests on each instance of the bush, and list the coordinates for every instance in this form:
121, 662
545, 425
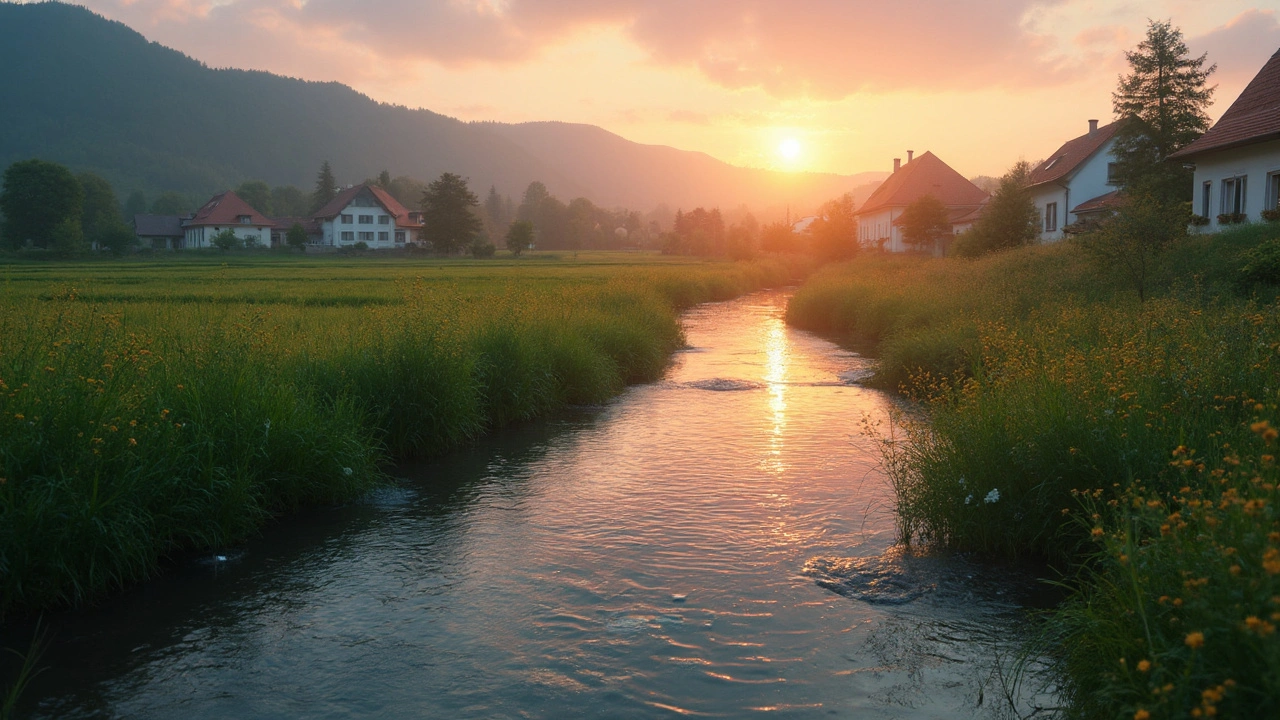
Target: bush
482, 248
1262, 264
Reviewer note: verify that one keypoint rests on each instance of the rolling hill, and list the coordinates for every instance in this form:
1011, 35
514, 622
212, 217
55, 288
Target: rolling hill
95, 95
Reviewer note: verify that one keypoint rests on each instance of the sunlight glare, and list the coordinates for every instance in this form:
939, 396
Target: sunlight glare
789, 149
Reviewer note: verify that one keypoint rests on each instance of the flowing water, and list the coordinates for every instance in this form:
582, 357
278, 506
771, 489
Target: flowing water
720, 543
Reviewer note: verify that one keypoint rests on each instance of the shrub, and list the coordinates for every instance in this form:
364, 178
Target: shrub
1262, 264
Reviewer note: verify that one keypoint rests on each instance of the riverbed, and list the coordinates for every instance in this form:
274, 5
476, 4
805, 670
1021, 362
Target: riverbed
719, 543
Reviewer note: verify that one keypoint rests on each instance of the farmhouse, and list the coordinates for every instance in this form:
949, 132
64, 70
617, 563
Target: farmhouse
367, 214
1237, 163
1074, 180
159, 232
925, 175
227, 211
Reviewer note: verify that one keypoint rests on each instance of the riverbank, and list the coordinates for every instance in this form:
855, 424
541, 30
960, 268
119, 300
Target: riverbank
151, 408
1129, 443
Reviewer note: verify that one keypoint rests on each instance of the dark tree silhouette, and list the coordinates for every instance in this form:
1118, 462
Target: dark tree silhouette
448, 220
37, 198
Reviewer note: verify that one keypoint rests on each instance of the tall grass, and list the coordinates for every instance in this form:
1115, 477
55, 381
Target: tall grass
1125, 442
141, 427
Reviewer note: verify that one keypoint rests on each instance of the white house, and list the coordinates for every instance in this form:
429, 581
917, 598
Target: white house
368, 214
1074, 179
227, 211
926, 175
1237, 163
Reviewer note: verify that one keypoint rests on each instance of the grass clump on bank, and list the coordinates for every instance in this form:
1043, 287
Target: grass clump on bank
1128, 443
173, 413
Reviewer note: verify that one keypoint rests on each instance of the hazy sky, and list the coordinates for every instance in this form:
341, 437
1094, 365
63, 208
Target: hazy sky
851, 83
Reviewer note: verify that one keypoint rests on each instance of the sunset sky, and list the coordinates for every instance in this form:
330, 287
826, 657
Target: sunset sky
830, 85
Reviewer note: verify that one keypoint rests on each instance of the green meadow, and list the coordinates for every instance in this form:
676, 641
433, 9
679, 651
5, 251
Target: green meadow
1129, 444
157, 406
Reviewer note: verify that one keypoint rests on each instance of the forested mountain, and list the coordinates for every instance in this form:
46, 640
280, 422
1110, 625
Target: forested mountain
95, 95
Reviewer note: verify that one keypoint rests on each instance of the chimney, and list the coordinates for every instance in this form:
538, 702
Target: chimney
910, 154
1093, 126
897, 164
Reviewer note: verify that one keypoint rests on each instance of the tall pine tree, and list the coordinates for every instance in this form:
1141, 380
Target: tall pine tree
326, 188
448, 220
1161, 105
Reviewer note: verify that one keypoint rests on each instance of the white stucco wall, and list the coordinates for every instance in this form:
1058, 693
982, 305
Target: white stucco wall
331, 230
201, 236
1255, 162
1087, 182
879, 226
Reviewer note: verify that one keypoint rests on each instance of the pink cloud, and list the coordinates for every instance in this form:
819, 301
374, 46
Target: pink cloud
821, 48
1240, 48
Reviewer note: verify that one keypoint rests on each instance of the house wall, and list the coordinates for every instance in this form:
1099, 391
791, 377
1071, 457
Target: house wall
877, 230
201, 236
1087, 182
331, 230
1258, 163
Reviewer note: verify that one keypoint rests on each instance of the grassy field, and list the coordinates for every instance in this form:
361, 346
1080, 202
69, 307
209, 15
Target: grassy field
155, 406
1130, 444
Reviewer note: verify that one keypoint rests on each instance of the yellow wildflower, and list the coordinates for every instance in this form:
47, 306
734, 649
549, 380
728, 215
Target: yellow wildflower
1194, 640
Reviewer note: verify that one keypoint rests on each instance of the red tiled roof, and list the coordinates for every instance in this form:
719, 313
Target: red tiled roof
226, 209
384, 198
1072, 155
1109, 201
1254, 116
925, 175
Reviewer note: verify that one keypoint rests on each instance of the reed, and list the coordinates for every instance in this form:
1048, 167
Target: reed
1129, 444
149, 409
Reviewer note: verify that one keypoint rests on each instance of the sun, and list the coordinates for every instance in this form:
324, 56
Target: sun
790, 149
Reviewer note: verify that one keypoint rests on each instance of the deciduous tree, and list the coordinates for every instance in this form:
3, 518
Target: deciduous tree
1129, 240
835, 232
296, 238
449, 221
258, 194
36, 198
519, 236
925, 223
100, 211
1009, 220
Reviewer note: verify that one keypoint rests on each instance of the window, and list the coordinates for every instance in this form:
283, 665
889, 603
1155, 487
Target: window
1273, 192
366, 219
366, 237
400, 236
1111, 174
384, 219
384, 236
244, 219
1233, 196
1205, 193
1051, 217
346, 219
348, 236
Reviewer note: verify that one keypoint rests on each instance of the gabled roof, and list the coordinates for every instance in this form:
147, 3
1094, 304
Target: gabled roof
157, 225
226, 209
1254, 117
925, 175
1110, 201
1072, 155
335, 207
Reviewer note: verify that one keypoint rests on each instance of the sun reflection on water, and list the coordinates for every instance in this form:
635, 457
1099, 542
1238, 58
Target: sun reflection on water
777, 359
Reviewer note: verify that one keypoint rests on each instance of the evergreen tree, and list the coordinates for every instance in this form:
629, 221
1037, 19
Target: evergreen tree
384, 179
38, 198
493, 205
448, 220
534, 195
1162, 106
289, 201
326, 188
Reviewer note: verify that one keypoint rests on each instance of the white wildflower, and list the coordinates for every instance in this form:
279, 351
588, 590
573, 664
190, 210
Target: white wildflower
347, 471
968, 499
992, 496
962, 480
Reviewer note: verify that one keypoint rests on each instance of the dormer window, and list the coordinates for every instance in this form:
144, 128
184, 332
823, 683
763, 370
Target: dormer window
244, 219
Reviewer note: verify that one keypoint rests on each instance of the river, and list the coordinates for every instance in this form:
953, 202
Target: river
720, 543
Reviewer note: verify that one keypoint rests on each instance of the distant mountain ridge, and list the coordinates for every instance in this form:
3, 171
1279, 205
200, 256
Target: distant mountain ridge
96, 95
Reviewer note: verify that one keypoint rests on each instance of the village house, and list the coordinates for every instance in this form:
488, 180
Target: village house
227, 211
1076, 181
368, 214
159, 232
878, 218
1237, 163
